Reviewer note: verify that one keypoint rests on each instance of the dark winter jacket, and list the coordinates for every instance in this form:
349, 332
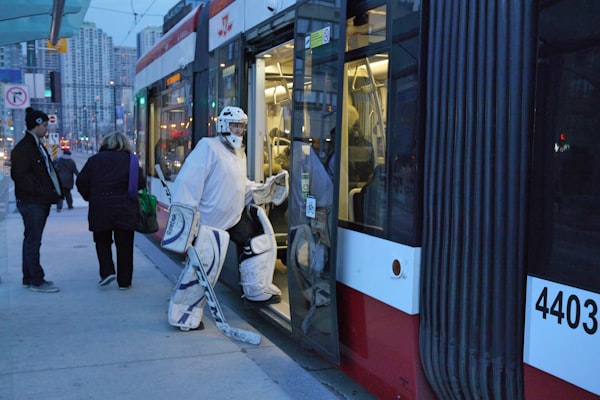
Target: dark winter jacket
65, 166
28, 169
104, 181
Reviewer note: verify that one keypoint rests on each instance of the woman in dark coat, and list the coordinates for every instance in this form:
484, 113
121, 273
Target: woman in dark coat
113, 208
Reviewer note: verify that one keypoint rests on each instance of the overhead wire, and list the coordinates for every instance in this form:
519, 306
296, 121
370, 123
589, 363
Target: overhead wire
137, 18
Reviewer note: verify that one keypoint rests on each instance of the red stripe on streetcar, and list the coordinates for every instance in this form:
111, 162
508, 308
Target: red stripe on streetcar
185, 27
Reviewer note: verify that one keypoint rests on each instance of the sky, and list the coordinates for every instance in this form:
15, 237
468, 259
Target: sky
117, 18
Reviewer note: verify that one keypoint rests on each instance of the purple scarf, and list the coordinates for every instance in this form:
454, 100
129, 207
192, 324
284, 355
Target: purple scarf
132, 190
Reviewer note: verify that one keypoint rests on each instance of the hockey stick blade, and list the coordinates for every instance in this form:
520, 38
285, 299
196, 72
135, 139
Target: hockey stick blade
238, 334
215, 308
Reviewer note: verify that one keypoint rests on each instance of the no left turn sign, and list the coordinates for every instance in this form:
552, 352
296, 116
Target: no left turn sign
16, 96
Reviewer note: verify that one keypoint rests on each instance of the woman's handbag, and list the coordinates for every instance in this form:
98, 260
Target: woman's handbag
147, 222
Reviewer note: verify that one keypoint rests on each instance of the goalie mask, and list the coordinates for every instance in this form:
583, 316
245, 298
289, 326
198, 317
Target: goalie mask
232, 124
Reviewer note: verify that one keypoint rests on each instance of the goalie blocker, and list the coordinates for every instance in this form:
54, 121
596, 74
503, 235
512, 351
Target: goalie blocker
182, 227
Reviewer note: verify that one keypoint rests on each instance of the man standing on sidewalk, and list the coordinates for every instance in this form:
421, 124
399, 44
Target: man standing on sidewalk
37, 187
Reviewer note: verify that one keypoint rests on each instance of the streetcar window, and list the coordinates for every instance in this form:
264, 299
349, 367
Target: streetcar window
380, 189
224, 87
404, 134
174, 142
169, 123
366, 28
362, 159
565, 207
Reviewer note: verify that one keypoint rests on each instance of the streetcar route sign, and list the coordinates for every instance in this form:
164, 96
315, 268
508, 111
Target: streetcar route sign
16, 96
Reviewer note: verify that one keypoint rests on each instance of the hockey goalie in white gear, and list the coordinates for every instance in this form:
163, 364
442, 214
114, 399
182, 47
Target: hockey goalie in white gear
258, 260
186, 306
212, 190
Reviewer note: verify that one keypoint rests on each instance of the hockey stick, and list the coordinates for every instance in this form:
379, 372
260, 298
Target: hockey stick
211, 298
215, 308
162, 180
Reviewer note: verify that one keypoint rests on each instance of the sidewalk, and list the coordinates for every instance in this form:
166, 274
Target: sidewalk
87, 342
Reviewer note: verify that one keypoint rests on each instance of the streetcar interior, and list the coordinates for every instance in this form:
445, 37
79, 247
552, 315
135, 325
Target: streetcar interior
275, 75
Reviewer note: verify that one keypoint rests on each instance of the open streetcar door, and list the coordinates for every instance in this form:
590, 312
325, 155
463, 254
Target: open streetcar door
292, 105
312, 214
293, 86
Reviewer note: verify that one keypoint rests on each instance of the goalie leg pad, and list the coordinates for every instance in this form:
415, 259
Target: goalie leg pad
182, 227
186, 306
211, 247
256, 276
256, 270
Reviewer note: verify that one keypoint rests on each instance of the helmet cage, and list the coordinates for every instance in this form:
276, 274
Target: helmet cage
230, 115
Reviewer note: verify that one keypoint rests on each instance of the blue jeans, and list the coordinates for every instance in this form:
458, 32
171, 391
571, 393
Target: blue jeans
34, 220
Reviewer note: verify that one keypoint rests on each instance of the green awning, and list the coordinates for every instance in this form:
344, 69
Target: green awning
23, 20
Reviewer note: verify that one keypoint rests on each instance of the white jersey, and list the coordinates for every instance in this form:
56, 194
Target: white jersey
213, 179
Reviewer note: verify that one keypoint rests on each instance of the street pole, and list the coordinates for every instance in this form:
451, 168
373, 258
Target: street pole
85, 127
114, 88
74, 128
96, 124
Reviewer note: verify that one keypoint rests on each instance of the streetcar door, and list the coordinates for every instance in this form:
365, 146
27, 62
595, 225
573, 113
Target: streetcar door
311, 207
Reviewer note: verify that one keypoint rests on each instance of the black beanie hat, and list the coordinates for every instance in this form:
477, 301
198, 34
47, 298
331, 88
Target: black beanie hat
34, 118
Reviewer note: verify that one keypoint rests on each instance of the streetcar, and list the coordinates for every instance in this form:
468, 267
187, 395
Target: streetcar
455, 254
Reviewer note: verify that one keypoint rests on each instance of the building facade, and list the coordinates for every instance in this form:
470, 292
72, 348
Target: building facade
89, 87
146, 39
124, 68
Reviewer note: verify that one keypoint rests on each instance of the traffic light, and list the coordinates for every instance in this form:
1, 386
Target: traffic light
55, 87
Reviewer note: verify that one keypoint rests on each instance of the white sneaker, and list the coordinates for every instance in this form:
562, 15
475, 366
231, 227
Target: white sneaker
107, 280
